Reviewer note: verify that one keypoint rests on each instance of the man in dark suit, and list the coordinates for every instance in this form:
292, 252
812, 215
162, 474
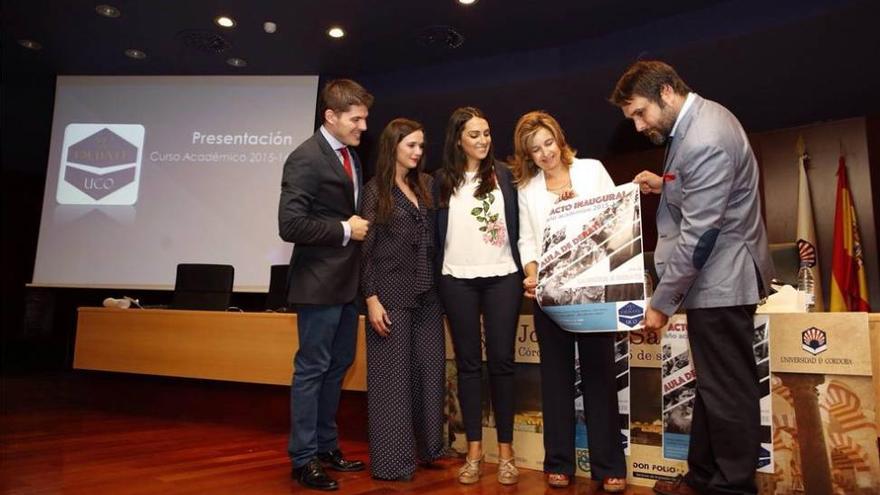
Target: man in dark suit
318, 212
712, 258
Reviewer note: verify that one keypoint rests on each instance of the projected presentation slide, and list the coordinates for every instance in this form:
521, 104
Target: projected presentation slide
148, 172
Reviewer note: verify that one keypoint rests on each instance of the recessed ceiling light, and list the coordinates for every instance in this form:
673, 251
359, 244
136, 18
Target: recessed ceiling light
224, 21
30, 44
135, 54
236, 62
467, 2
270, 27
335, 32
108, 11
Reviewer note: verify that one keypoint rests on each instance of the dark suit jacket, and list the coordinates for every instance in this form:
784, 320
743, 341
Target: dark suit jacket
511, 216
316, 195
397, 256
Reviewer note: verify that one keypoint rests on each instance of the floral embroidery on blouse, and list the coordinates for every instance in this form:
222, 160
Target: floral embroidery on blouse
494, 232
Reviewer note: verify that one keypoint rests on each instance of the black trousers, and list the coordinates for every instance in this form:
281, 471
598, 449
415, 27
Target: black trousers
497, 300
599, 389
725, 433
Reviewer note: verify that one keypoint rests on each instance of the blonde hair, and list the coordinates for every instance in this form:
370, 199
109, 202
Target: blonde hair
522, 165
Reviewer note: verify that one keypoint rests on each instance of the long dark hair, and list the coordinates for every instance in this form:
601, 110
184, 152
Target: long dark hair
386, 164
451, 175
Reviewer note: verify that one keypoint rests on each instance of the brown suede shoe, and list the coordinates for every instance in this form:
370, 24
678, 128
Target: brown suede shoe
675, 487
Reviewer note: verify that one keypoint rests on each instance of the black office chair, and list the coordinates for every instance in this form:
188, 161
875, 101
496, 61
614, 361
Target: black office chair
786, 261
276, 299
203, 286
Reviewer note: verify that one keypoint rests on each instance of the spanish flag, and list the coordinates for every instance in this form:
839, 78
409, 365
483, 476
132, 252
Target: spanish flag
849, 285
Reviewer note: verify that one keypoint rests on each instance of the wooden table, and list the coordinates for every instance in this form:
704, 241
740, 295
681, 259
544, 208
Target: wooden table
242, 347
214, 345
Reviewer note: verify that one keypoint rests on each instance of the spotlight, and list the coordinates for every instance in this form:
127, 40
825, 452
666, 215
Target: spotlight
224, 21
467, 2
30, 44
108, 11
335, 32
236, 62
135, 54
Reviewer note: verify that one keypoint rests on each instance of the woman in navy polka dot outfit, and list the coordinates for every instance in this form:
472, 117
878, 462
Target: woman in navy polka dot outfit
405, 341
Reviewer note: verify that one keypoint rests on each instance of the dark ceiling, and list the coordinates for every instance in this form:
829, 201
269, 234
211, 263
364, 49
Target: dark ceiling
383, 35
775, 63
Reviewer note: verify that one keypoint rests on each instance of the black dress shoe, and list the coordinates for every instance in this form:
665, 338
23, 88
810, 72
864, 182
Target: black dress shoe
312, 475
336, 462
676, 487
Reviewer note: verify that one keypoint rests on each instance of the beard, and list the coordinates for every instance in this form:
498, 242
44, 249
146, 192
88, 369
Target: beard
660, 133
656, 137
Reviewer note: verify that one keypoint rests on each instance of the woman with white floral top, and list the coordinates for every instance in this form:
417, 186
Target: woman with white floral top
477, 232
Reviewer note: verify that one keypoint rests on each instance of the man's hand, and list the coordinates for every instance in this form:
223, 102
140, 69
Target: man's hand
654, 320
649, 182
359, 227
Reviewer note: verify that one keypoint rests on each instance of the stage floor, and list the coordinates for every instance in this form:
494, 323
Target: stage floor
97, 433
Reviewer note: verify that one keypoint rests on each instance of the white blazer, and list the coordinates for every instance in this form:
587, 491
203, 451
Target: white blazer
588, 178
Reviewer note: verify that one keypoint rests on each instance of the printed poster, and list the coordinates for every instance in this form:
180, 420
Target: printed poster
591, 273
678, 379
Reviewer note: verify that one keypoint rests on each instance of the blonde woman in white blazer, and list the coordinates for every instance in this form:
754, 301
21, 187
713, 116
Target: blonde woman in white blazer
546, 171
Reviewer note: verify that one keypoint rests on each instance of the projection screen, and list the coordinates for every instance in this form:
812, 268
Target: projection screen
146, 172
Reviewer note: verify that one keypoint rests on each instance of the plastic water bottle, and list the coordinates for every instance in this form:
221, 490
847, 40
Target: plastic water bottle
806, 287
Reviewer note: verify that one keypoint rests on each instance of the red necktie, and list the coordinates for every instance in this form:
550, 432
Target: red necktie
346, 162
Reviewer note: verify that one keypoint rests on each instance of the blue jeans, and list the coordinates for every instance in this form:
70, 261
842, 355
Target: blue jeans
327, 338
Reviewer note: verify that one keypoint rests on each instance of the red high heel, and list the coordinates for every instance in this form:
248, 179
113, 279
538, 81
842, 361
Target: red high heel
558, 480
614, 485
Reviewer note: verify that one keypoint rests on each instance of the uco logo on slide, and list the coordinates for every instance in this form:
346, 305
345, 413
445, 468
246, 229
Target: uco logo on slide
100, 164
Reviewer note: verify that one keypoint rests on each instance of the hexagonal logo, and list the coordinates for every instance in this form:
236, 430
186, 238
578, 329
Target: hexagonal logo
100, 164
814, 340
630, 314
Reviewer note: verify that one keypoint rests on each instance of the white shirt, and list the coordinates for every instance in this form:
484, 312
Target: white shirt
688, 101
470, 252
588, 178
337, 145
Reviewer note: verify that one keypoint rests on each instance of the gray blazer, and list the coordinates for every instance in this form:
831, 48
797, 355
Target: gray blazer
712, 244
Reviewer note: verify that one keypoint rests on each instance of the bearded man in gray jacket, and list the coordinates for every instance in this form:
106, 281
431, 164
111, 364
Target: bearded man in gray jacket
713, 260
